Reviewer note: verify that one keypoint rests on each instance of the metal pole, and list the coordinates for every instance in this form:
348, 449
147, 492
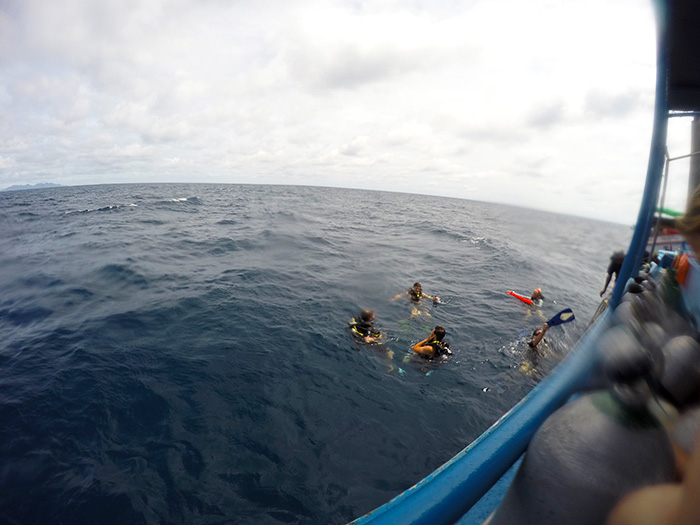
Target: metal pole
694, 175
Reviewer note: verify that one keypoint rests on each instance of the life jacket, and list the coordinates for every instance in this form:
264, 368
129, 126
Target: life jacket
681, 264
363, 328
440, 348
415, 296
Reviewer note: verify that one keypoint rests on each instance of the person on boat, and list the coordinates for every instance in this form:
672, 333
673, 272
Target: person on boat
689, 224
415, 293
362, 327
537, 296
433, 346
616, 260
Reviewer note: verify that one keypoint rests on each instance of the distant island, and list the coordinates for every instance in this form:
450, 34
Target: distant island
18, 187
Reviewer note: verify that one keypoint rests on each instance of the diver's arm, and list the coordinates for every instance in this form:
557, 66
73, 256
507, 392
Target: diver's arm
373, 337
607, 282
539, 336
431, 297
424, 349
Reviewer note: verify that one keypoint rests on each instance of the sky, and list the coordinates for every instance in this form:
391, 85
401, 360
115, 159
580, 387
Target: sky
541, 103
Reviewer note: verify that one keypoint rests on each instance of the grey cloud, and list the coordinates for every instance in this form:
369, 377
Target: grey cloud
349, 65
354, 147
138, 119
599, 104
494, 133
546, 115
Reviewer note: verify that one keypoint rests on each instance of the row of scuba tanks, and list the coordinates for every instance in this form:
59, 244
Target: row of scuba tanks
616, 437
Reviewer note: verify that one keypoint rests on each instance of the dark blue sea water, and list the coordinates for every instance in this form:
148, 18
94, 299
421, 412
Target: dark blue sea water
180, 353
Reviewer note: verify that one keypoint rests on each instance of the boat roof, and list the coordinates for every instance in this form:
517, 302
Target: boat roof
683, 55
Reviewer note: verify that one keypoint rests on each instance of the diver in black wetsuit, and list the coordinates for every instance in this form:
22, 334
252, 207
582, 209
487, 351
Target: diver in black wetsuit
537, 336
363, 328
433, 346
616, 260
415, 293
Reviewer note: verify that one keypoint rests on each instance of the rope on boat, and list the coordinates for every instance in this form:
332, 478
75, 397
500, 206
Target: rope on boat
601, 308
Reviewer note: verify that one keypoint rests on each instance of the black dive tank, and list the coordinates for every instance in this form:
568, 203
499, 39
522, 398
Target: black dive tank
681, 373
594, 450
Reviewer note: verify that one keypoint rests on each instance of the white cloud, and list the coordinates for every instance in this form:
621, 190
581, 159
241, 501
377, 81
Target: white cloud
537, 103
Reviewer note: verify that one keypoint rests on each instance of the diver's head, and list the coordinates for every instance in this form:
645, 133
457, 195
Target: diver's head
417, 287
367, 315
439, 333
537, 292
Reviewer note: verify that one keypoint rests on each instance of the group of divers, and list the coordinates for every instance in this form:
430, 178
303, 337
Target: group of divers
434, 348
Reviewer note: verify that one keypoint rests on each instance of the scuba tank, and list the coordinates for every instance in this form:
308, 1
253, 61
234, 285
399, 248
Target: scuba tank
594, 450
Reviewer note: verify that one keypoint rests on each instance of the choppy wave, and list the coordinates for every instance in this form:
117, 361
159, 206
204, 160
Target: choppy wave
110, 207
189, 361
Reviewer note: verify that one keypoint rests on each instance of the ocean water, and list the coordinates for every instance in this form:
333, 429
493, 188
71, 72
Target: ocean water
180, 353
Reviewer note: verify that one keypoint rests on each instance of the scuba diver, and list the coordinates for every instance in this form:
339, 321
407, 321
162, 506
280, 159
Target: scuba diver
565, 316
415, 293
537, 336
433, 346
537, 297
363, 328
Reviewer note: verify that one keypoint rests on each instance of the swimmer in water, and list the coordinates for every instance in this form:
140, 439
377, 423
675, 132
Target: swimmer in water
433, 346
415, 294
537, 336
537, 296
363, 328
565, 316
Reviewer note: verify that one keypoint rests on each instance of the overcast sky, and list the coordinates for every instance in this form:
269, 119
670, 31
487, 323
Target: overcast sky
540, 103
